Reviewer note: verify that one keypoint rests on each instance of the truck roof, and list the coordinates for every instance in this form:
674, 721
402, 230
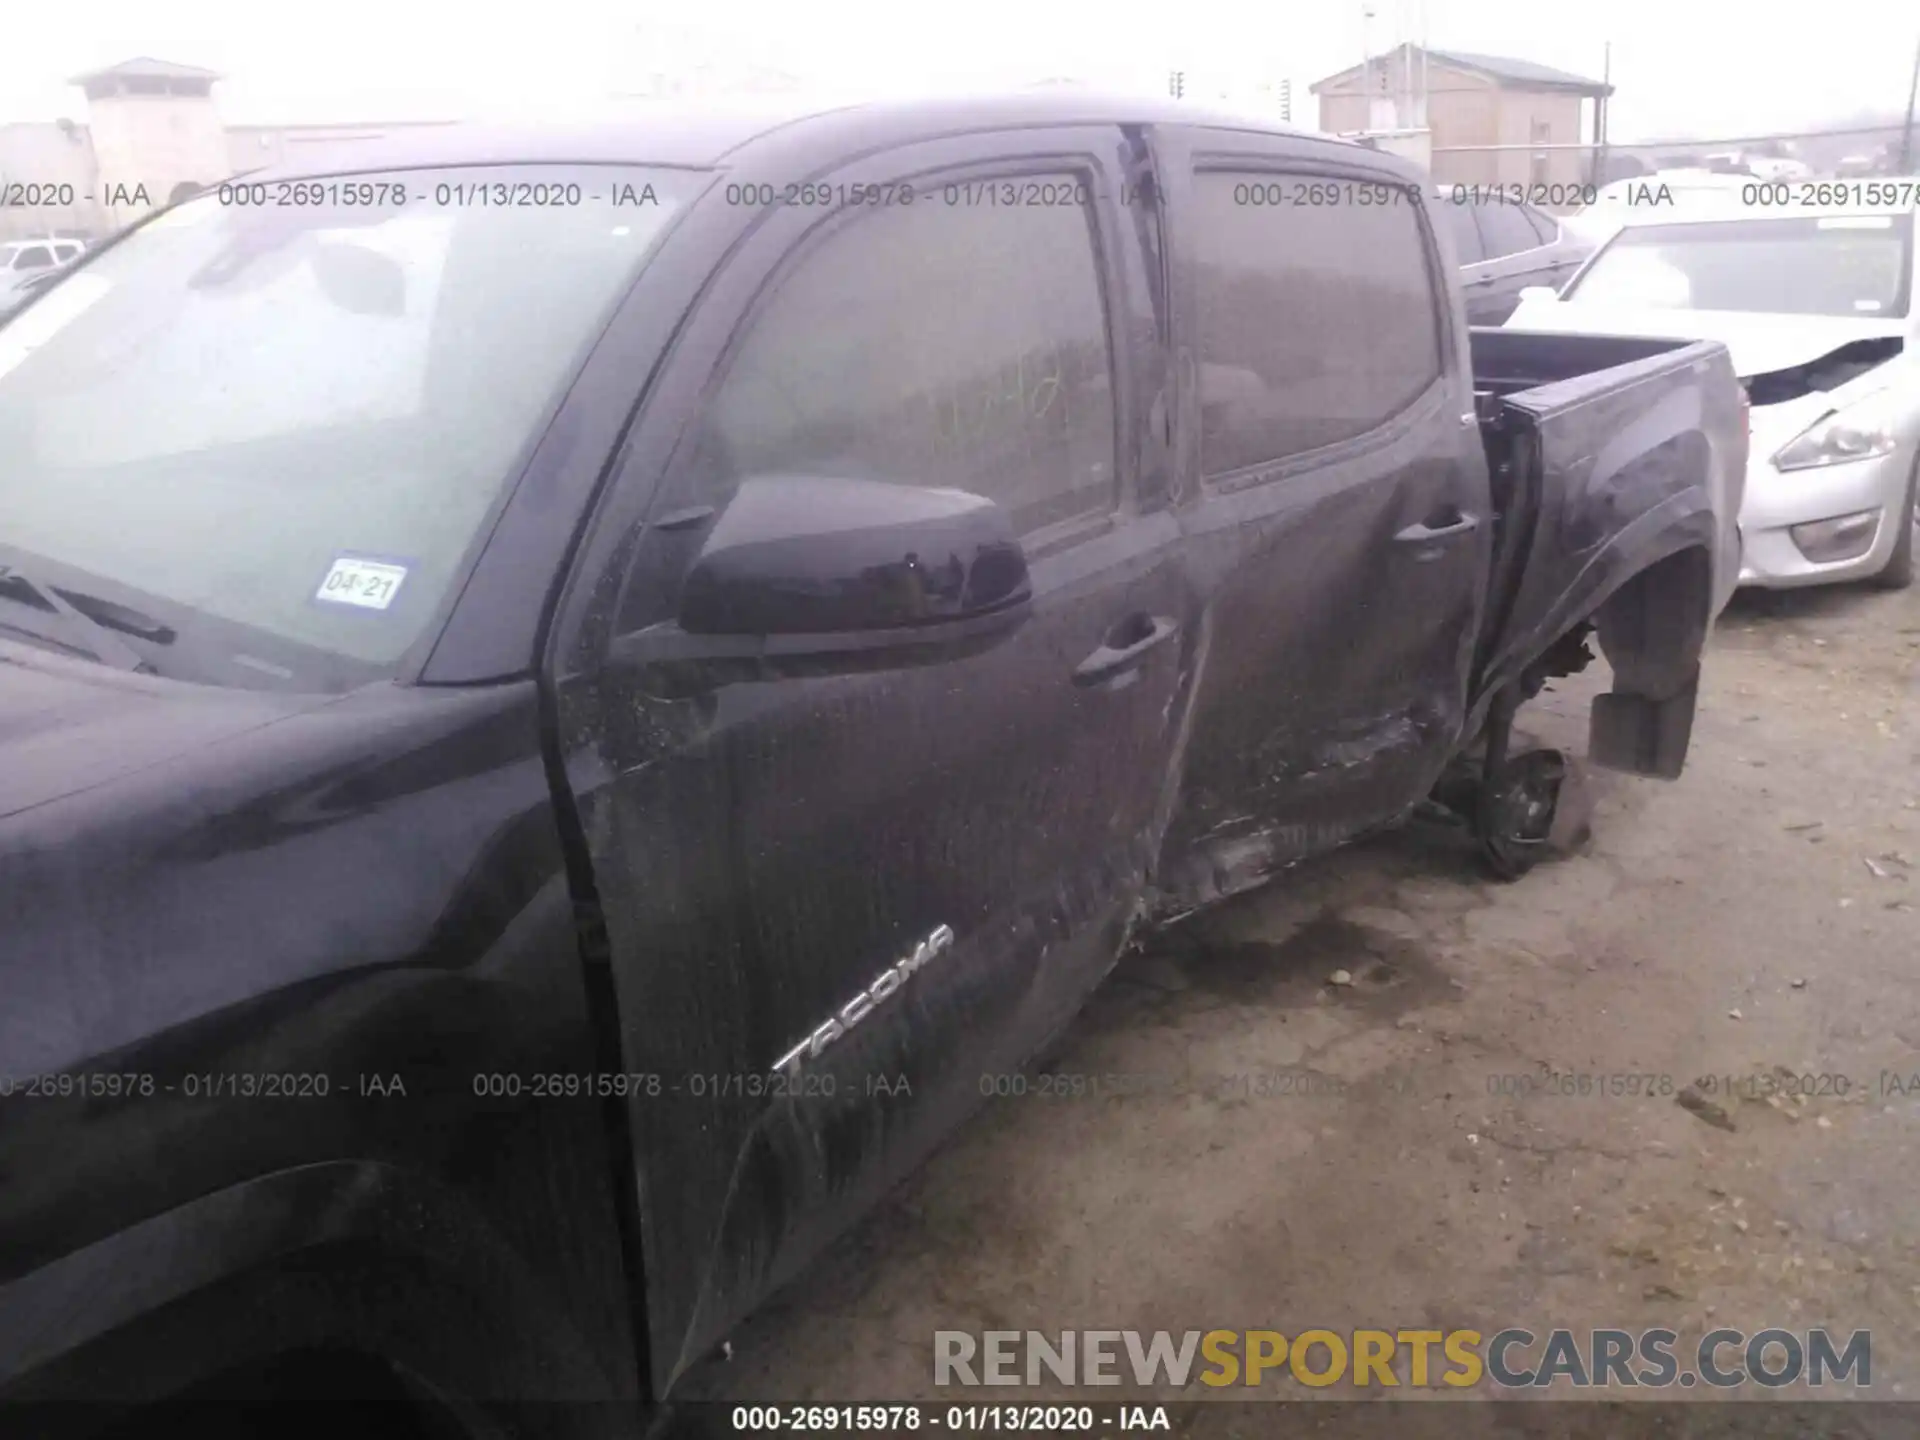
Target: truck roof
709, 134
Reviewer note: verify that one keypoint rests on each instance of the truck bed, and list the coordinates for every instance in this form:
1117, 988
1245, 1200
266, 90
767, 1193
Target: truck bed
1586, 437
1508, 360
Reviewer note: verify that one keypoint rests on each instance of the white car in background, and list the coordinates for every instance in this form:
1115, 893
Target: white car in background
1665, 192
1817, 308
24, 260
20, 259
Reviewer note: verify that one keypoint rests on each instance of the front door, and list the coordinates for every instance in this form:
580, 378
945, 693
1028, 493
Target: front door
769, 853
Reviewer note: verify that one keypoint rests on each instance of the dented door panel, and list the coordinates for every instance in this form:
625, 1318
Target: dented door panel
1344, 584
772, 854
837, 907
1337, 671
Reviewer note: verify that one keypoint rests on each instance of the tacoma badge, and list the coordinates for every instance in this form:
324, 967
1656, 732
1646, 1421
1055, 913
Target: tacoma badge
886, 984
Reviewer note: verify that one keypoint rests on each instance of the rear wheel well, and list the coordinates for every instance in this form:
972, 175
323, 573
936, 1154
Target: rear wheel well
1653, 628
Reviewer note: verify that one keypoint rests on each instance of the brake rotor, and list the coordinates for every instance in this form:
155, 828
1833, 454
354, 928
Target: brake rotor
1518, 809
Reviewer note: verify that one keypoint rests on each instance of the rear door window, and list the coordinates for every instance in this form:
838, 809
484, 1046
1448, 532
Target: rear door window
1317, 323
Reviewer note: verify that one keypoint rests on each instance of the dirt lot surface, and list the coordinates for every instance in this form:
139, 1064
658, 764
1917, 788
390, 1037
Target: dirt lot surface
1417, 1163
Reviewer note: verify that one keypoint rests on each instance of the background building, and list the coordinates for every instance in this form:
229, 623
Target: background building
152, 131
1465, 101
151, 127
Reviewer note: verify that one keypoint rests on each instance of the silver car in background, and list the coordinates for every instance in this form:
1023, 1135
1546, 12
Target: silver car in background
1817, 308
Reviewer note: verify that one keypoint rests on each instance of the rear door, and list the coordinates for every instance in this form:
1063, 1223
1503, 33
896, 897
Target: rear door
1338, 525
765, 850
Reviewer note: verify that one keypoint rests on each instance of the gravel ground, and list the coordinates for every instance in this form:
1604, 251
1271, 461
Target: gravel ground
1413, 1166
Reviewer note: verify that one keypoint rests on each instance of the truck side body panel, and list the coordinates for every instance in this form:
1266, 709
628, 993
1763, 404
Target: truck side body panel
1626, 452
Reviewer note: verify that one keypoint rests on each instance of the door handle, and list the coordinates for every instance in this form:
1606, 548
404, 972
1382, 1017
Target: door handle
1127, 645
1453, 524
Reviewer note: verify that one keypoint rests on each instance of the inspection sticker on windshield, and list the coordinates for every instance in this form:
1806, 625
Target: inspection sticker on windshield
369, 584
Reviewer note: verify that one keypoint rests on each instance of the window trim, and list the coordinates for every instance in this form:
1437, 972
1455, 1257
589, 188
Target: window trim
1466, 208
1440, 289
1056, 533
1486, 241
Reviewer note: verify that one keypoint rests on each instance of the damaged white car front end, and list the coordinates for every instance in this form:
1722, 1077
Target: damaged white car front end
1832, 374
1830, 486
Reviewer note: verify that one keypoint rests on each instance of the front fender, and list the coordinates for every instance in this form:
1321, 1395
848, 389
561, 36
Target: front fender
357, 1255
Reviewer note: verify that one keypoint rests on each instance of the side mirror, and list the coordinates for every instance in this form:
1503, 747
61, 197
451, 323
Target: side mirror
810, 575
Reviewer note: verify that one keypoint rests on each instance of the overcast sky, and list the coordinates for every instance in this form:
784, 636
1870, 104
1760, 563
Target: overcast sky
1706, 66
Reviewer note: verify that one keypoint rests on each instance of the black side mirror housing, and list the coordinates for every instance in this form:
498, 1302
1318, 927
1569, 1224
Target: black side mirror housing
808, 555
820, 575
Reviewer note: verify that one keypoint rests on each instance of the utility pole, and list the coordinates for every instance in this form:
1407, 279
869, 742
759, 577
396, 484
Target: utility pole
1422, 117
1906, 130
1600, 118
1366, 61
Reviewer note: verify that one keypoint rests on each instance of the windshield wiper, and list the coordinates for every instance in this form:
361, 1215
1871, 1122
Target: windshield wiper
95, 638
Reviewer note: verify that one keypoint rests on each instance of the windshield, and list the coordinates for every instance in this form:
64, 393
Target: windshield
1858, 266
281, 427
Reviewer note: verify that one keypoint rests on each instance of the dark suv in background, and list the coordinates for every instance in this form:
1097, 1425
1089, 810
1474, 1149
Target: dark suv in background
1505, 246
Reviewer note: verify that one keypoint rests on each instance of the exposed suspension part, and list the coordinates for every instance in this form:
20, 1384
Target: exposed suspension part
1509, 802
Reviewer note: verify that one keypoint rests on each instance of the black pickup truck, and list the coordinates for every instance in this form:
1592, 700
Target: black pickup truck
565, 695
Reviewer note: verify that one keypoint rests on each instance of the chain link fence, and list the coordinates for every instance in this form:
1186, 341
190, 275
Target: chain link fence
1562, 171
